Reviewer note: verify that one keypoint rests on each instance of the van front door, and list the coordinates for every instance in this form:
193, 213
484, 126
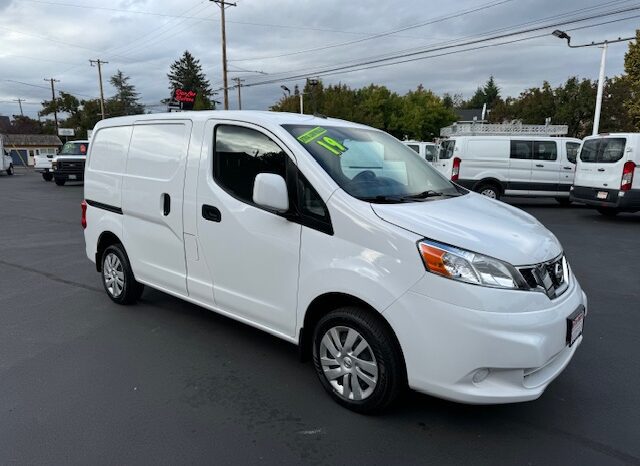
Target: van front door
251, 253
152, 202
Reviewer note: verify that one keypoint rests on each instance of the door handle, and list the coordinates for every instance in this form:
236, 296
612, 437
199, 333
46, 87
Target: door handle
600, 169
211, 213
567, 168
166, 204
539, 165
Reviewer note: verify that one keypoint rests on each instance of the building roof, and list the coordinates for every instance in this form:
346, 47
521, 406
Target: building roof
468, 114
31, 140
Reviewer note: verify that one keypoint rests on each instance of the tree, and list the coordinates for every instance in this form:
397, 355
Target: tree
488, 94
186, 73
632, 68
125, 102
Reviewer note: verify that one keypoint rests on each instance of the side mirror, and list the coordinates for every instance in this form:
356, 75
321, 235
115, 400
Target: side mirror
270, 191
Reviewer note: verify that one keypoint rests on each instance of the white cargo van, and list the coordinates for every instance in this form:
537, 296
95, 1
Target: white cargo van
426, 150
6, 161
533, 166
605, 177
333, 236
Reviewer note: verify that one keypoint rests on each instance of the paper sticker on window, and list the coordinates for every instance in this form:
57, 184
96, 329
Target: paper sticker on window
312, 134
332, 145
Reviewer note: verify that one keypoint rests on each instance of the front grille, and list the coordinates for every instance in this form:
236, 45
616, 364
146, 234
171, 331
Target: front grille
70, 167
549, 277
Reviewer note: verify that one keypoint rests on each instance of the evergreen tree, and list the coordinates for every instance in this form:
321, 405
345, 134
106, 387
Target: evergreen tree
186, 73
125, 102
632, 68
491, 93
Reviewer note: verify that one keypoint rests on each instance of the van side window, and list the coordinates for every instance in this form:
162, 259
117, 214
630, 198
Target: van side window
572, 151
313, 210
240, 155
521, 149
545, 150
414, 147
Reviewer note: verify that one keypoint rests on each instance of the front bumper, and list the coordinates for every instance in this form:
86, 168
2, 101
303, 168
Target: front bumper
628, 201
521, 340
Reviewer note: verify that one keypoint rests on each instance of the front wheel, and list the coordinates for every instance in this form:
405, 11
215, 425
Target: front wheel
608, 211
47, 176
357, 360
10, 170
117, 276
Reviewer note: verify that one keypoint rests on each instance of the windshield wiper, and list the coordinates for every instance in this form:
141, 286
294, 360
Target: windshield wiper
426, 194
386, 199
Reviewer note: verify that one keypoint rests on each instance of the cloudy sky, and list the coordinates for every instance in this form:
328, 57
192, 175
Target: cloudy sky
283, 38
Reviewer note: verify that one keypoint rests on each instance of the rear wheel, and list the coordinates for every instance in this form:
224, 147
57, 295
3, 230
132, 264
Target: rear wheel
60, 181
357, 360
47, 176
490, 190
608, 211
10, 170
563, 201
117, 276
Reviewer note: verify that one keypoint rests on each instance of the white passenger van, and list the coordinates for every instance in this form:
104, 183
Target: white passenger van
333, 236
533, 166
426, 150
605, 176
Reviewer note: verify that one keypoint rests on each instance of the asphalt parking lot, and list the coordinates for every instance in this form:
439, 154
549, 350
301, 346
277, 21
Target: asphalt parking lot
84, 381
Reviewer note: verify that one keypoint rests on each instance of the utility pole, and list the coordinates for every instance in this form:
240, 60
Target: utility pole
239, 86
53, 100
222, 4
100, 63
20, 104
604, 45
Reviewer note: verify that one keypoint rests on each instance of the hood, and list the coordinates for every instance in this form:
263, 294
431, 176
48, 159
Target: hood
70, 157
476, 223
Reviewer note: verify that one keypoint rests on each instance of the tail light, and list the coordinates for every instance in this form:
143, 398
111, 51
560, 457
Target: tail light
456, 169
627, 176
83, 221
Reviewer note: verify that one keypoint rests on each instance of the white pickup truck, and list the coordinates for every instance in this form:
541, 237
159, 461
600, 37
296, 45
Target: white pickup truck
42, 164
6, 162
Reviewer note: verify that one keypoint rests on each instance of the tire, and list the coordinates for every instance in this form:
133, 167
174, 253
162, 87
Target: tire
117, 276
491, 190
60, 181
377, 369
10, 170
608, 211
563, 201
47, 176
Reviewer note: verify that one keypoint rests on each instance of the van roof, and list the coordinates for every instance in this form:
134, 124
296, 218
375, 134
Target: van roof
249, 116
524, 137
607, 135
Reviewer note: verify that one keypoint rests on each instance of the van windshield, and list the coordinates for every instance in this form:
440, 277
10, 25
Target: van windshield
602, 150
446, 149
371, 165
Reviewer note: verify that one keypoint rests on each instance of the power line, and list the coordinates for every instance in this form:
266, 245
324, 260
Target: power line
383, 34
436, 49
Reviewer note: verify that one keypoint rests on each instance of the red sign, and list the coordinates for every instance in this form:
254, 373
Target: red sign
184, 96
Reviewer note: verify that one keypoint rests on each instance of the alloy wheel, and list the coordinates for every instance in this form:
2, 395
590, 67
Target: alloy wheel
113, 274
348, 363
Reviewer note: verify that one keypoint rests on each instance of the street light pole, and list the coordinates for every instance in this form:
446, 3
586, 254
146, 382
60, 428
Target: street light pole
563, 35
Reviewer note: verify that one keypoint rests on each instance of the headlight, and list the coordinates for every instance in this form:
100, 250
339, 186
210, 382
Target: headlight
469, 267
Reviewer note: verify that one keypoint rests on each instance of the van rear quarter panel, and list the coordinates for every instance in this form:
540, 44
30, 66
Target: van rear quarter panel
106, 165
483, 158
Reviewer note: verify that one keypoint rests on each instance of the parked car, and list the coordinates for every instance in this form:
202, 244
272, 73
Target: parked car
426, 150
6, 162
532, 166
333, 236
69, 164
42, 163
605, 175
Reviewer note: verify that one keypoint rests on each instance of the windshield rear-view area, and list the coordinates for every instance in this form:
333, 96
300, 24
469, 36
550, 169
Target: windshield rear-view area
371, 165
74, 148
602, 150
